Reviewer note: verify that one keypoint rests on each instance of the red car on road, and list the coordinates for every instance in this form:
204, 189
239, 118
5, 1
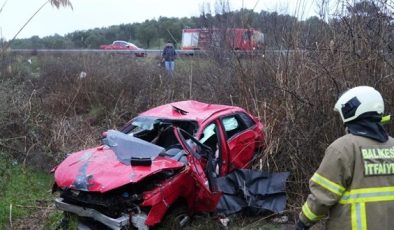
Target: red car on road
164, 160
123, 45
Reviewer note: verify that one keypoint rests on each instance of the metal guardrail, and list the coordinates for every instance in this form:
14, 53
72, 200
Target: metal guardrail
106, 51
81, 51
148, 52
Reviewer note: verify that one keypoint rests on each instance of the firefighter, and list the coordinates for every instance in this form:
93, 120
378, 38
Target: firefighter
354, 186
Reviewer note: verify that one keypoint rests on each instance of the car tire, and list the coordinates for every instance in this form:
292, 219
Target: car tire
177, 218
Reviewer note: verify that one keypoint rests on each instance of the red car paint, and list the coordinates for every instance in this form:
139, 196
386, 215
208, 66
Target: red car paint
103, 167
237, 135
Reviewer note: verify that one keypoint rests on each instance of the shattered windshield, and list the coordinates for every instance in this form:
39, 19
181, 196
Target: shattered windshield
158, 131
127, 147
143, 123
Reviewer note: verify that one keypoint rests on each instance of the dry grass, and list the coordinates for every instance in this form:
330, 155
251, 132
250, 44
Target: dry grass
56, 111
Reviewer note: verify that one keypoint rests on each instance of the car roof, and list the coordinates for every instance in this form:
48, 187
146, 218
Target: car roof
121, 41
189, 110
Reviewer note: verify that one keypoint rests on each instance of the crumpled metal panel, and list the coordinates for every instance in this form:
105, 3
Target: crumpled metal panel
100, 170
195, 111
246, 188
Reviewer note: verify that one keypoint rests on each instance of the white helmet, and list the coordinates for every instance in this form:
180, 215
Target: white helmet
357, 101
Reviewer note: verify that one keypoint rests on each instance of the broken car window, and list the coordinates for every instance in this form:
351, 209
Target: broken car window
144, 123
247, 120
208, 132
158, 131
230, 123
209, 137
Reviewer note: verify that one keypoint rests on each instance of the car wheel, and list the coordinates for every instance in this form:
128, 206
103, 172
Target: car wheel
176, 218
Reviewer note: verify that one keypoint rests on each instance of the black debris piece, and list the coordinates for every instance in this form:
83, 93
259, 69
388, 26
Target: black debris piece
246, 189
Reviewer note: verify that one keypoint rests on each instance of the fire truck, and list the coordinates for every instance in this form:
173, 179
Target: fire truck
232, 38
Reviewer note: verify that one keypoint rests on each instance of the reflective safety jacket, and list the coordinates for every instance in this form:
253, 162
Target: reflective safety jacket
354, 186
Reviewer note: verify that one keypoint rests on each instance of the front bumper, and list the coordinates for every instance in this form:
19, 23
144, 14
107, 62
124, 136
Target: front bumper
137, 220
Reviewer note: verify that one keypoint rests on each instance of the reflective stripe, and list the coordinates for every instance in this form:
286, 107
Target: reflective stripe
309, 214
386, 119
363, 216
368, 195
359, 218
358, 197
327, 184
354, 217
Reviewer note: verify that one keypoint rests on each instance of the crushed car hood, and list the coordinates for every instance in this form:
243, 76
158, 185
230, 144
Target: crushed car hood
103, 168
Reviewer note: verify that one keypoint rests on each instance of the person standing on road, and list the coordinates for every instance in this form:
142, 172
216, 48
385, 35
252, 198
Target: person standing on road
169, 56
354, 186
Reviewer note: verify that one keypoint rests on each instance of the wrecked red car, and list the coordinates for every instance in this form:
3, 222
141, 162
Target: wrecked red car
165, 159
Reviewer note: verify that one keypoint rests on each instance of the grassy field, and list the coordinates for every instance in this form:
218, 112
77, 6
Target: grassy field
23, 192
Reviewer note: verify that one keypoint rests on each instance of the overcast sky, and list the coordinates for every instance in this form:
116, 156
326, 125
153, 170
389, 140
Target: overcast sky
89, 14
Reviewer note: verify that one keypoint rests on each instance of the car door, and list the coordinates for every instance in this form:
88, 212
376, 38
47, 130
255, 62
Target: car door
213, 138
240, 139
206, 193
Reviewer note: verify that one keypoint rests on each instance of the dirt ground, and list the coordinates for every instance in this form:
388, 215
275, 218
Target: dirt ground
35, 222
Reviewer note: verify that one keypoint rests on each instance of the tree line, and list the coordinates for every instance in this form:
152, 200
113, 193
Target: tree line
154, 33
281, 31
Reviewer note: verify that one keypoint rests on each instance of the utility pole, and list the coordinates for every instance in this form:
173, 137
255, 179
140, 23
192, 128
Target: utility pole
173, 38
